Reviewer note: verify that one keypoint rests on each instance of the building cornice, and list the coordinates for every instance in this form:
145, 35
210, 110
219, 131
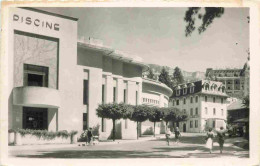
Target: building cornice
113, 54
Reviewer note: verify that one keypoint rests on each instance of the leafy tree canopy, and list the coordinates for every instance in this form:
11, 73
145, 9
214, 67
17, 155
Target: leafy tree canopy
155, 114
170, 114
207, 18
114, 111
140, 113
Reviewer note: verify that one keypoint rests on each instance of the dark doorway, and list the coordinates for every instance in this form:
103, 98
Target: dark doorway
184, 127
35, 118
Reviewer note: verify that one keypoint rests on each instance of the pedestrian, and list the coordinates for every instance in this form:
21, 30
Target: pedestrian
167, 135
90, 135
177, 134
221, 138
209, 140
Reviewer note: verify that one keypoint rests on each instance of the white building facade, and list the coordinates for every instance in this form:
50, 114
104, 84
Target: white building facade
56, 81
205, 104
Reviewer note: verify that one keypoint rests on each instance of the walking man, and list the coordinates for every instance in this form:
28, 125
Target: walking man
177, 134
90, 135
221, 138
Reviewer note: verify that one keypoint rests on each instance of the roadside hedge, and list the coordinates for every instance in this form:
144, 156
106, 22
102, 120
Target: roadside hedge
46, 134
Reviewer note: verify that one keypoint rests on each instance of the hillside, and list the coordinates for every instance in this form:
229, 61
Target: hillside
188, 76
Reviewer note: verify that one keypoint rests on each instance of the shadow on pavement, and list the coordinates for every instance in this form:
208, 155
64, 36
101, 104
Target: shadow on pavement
96, 154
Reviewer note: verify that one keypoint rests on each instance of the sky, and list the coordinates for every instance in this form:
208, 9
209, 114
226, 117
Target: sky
157, 35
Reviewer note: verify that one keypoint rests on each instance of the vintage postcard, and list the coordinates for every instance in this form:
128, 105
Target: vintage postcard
134, 83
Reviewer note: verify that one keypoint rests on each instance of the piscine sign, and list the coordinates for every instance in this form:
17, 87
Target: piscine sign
36, 22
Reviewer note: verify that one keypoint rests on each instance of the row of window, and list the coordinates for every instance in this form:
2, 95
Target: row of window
214, 88
178, 91
146, 100
206, 111
214, 111
196, 100
196, 123
191, 111
184, 100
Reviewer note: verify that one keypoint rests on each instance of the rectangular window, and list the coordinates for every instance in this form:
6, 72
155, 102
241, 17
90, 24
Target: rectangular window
85, 119
85, 92
222, 101
103, 94
191, 124
103, 125
184, 91
196, 99
191, 111
206, 110
196, 111
191, 99
206, 98
35, 118
214, 99
114, 90
192, 89
178, 92
177, 102
214, 124
124, 95
184, 101
196, 123
114, 94
214, 111
173, 103
35, 75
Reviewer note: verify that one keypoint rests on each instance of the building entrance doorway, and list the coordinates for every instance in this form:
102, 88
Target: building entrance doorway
184, 127
35, 118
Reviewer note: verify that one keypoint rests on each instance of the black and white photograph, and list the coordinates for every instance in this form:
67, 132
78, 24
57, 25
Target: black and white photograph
129, 82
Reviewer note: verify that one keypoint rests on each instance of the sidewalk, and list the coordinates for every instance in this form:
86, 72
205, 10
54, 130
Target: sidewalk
121, 141
105, 142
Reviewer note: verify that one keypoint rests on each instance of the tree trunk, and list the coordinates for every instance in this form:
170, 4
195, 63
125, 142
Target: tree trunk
114, 129
154, 129
137, 129
140, 129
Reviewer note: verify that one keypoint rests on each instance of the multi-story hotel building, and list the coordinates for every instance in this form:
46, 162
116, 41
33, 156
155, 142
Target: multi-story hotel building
236, 81
205, 103
56, 82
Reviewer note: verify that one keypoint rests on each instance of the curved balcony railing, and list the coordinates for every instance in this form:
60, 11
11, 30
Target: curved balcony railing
33, 96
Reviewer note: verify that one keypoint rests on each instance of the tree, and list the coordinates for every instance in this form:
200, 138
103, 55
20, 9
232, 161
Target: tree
155, 115
114, 111
169, 114
177, 76
164, 78
140, 115
207, 18
150, 74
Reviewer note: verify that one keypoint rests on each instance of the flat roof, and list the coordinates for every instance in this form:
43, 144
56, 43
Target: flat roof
50, 13
113, 54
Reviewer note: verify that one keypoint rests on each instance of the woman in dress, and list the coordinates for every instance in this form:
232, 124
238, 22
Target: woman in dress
209, 139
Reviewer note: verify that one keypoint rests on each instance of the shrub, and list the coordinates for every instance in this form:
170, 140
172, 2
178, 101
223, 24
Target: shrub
49, 135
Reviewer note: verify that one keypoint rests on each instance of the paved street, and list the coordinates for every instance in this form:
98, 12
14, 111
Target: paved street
191, 146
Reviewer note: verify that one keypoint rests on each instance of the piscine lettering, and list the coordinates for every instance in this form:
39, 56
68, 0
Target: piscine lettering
36, 22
